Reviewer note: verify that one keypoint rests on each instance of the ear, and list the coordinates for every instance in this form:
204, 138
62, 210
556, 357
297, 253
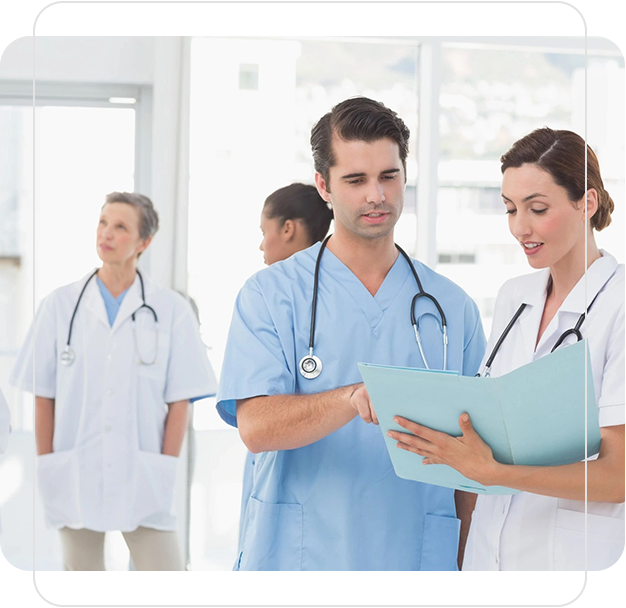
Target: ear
288, 231
143, 245
322, 187
592, 203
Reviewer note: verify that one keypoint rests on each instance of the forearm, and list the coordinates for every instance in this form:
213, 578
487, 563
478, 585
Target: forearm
567, 481
286, 422
175, 427
465, 503
605, 475
44, 424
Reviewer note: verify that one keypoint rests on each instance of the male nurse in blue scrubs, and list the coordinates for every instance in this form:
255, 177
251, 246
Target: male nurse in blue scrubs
325, 495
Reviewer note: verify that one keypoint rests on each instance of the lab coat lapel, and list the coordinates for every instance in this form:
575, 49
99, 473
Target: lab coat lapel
577, 301
92, 300
131, 302
535, 300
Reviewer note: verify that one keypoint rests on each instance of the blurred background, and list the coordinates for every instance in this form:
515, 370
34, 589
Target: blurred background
208, 128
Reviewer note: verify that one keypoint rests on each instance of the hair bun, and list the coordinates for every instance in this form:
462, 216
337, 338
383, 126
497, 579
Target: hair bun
606, 206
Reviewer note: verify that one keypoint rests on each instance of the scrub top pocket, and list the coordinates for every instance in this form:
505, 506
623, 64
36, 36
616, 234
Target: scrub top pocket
272, 537
58, 480
440, 543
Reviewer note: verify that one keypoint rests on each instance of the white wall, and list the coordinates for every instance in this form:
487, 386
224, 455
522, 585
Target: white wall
121, 60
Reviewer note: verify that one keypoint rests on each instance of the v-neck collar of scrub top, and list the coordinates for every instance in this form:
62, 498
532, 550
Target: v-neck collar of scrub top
94, 302
373, 307
111, 303
574, 305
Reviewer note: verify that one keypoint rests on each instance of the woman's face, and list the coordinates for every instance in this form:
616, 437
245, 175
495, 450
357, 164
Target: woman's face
275, 244
117, 237
547, 225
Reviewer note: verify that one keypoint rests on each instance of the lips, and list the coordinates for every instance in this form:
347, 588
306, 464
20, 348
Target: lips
531, 247
375, 217
105, 247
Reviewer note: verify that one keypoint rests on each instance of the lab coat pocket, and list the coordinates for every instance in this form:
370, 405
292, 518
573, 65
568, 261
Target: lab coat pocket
605, 540
154, 484
440, 543
272, 537
58, 480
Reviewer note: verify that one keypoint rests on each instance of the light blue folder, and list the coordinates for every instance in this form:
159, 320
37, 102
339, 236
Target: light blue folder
534, 415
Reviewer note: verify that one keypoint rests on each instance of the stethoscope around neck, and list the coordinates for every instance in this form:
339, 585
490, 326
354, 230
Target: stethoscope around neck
311, 365
68, 356
573, 331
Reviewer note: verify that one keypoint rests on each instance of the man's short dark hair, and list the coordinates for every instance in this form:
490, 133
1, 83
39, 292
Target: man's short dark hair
356, 119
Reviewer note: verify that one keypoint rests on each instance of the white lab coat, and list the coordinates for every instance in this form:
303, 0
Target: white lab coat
106, 471
5, 428
531, 532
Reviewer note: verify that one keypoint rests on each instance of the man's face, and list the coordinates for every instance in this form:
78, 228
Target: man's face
365, 186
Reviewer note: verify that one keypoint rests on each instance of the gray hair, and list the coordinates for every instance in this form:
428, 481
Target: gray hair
148, 217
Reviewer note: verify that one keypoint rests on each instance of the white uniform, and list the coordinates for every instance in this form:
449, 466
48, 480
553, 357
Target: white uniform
531, 532
106, 471
5, 427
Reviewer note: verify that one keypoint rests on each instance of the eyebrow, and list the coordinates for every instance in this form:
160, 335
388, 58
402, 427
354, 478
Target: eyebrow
385, 172
524, 200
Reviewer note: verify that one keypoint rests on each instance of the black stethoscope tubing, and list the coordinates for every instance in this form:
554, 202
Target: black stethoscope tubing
311, 366
80, 297
575, 331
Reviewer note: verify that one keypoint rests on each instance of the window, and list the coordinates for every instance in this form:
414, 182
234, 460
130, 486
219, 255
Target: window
485, 106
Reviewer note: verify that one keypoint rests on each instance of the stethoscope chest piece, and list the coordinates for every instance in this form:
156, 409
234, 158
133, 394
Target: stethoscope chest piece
310, 367
68, 356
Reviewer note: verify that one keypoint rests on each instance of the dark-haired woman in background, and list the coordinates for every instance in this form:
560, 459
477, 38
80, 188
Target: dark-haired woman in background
543, 526
293, 218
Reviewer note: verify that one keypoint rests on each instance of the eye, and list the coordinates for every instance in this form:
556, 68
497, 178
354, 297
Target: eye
122, 226
390, 177
510, 211
539, 211
355, 181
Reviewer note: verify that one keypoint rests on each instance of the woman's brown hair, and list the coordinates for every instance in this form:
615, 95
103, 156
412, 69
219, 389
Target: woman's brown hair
562, 154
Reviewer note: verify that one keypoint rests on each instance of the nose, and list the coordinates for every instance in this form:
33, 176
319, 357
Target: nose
375, 193
520, 225
261, 245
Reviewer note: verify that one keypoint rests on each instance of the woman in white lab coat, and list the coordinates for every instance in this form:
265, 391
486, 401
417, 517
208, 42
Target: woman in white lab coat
542, 527
116, 361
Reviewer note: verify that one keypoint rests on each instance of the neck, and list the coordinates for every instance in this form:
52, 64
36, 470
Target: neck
369, 259
568, 271
118, 277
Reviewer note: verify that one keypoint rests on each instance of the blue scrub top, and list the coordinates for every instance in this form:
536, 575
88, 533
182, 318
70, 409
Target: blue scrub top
337, 504
111, 303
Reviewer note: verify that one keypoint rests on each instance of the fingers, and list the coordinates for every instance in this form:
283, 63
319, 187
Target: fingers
418, 429
411, 443
465, 423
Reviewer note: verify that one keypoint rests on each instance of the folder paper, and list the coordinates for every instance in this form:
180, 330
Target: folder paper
534, 415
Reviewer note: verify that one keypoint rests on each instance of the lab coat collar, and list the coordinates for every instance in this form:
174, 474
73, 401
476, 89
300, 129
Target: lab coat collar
92, 298
534, 291
132, 300
597, 276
